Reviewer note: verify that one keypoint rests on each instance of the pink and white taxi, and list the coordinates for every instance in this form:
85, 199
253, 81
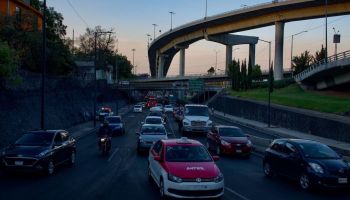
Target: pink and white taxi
183, 168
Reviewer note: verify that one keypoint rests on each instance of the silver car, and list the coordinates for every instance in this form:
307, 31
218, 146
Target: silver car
149, 134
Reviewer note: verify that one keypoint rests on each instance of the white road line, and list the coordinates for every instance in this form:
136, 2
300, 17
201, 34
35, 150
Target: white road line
236, 193
111, 156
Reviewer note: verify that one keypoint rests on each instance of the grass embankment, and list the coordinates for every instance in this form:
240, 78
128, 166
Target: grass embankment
294, 96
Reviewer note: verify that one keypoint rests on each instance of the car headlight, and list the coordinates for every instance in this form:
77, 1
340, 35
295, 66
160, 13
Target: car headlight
209, 123
317, 168
219, 178
249, 143
223, 142
42, 154
174, 178
103, 139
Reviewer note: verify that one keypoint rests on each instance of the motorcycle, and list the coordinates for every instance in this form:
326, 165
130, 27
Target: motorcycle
105, 145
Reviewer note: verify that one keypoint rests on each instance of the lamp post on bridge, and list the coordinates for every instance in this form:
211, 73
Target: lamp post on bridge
154, 31
270, 85
291, 48
171, 19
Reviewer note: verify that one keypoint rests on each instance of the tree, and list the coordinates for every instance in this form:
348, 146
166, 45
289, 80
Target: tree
234, 74
256, 72
211, 71
320, 55
250, 76
302, 62
244, 81
8, 63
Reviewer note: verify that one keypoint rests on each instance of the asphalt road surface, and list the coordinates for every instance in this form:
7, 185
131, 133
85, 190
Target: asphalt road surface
123, 174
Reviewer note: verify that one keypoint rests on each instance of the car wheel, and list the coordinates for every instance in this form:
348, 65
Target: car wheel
218, 151
304, 182
72, 158
50, 167
267, 169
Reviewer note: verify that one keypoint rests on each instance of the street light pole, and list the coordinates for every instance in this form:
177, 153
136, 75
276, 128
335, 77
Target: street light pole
148, 36
154, 31
206, 8
43, 70
270, 74
216, 59
133, 64
326, 27
291, 48
171, 19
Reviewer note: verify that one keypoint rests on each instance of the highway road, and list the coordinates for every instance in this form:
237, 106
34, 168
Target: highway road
123, 174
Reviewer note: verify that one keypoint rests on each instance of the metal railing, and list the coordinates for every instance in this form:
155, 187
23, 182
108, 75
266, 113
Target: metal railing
320, 65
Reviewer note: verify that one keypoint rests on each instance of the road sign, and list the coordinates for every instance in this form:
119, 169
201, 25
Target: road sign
196, 84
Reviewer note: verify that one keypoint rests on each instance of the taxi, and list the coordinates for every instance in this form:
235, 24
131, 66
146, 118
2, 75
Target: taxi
183, 168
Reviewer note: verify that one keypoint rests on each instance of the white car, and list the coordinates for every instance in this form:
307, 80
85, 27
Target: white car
157, 108
137, 108
168, 108
153, 120
196, 119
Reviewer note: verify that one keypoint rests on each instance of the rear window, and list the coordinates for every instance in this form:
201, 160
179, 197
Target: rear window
153, 121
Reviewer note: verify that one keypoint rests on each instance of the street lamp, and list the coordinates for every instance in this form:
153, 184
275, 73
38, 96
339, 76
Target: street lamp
291, 48
43, 70
133, 64
269, 99
336, 40
154, 30
216, 59
171, 19
206, 8
326, 27
96, 34
148, 39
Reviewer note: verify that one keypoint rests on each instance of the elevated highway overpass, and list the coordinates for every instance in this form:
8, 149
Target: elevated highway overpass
213, 28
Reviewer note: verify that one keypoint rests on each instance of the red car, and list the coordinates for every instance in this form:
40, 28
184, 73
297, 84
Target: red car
151, 103
184, 168
229, 140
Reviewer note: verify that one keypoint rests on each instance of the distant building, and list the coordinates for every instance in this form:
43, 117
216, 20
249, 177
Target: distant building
86, 71
28, 17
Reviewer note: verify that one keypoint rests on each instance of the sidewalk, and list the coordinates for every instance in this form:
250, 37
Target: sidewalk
83, 129
278, 132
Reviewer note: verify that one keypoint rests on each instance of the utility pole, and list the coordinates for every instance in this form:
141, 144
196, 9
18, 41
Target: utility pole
133, 64
216, 60
291, 48
171, 19
43, 70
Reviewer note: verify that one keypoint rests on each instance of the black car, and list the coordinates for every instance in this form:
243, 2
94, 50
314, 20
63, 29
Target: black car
116, 124
310, 163
39, 151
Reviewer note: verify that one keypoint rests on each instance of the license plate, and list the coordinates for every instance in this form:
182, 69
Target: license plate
343, 180
200, 187
238, 151
19, 163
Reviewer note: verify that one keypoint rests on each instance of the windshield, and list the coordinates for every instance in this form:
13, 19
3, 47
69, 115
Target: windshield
315, 150
153, 130
153, 121
196, 111
156, 114
35, 139
231, 132
187, 154
113, 120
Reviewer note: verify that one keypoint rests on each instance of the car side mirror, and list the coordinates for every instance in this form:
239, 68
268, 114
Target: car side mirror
157, 158
216, 158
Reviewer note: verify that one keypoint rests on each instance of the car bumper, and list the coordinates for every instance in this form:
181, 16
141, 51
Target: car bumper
236, 150
194, 189
38, 166
137, 110
330, 181
199, 129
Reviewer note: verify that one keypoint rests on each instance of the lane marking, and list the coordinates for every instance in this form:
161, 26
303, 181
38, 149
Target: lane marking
236, 193
111, 156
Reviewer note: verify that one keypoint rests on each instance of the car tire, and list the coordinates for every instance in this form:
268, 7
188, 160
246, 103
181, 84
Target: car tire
50, 169
72, 158
267, 170
304, 182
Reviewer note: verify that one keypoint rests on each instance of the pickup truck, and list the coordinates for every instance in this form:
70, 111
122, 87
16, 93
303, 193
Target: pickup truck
196, 119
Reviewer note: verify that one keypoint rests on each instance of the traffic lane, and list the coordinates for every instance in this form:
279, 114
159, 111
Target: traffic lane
244, 178
94, 176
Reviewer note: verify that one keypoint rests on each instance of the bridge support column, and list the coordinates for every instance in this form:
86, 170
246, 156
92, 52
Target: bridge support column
182, 62
160, 66
252, 54
228, 57
279, 37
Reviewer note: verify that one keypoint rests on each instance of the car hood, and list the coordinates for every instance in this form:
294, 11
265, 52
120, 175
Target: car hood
25, 151
153, 138
331, 164
192, 170
197, 118
235, 140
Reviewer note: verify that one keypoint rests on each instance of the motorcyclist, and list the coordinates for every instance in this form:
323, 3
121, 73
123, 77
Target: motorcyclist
179, 116
105, 131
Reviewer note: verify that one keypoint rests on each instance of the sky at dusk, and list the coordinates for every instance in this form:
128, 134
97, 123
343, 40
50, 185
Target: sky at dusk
132, 20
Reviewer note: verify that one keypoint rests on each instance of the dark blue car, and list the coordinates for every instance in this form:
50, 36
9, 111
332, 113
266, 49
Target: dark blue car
116, 124
310, 163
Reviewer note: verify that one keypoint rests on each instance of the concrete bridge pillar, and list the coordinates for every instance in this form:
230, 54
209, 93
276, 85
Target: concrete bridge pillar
182, 62
252, 54
160, 66
228, 57
279, 37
